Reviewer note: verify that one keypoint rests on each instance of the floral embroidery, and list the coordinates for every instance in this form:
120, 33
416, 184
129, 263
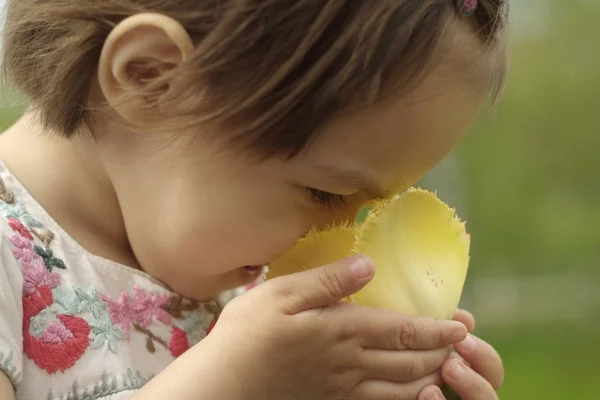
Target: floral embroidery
56, 333
138, 311
108, 385
49, 260
105, 333
18, 227
18, 212
35, 274
179, 342
23, 249
62, 343
120, 312
90, 302
6, 195
67, 300
151, 338
141, 309
148, 306
42, 321
195, 319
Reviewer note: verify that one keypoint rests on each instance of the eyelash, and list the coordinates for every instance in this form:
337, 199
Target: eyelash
326, 199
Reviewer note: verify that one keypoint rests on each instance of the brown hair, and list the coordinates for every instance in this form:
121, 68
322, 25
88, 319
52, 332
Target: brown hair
274, 70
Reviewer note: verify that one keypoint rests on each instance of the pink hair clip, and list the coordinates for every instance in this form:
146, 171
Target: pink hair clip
467, 7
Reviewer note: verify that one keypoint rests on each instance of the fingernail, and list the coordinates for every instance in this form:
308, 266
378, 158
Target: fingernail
458, 371
361, 266
467, 345
460, 335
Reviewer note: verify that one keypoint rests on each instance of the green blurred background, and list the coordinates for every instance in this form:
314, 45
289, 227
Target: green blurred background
525, 180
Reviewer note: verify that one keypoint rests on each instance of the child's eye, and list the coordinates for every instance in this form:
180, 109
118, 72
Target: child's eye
327, 199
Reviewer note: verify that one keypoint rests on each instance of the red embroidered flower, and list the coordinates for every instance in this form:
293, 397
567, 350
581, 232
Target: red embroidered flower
62, 343
179, 342
18, 227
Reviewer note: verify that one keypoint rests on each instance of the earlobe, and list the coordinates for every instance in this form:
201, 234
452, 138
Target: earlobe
137, 52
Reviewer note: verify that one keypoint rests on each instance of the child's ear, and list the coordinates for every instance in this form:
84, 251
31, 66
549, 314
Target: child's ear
138, 51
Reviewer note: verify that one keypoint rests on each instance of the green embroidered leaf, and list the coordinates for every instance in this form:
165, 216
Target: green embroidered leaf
100, 391
40, 322
195, 320
67, 300
49, 260
18, 212
105, 333
132, 379
141, 378
104, 381
89, 301
75, 393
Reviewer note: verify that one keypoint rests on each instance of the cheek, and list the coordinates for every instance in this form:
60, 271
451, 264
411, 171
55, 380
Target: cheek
215, 240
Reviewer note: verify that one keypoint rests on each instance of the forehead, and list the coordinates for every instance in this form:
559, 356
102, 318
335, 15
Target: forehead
399, 140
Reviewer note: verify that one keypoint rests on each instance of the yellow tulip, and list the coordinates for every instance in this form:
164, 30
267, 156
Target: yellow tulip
419, 247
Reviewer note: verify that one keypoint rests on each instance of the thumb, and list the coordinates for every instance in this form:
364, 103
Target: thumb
323, 286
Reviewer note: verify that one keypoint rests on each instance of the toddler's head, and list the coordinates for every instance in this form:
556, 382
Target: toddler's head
228, 128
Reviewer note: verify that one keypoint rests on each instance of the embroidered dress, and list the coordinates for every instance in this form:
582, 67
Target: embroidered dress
77, 326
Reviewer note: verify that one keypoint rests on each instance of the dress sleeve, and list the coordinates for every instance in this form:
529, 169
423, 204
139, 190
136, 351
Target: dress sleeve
11, 309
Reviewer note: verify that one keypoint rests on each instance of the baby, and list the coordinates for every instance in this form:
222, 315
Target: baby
172, 148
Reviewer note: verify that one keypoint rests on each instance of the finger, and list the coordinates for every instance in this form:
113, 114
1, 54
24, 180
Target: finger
431, 393
385, 390
390, 330
323, 286
466, 318
483, 358
402, 366
458, 357
468, 384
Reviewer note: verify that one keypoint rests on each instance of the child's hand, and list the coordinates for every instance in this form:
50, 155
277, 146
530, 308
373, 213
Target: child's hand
290, 338
479, 367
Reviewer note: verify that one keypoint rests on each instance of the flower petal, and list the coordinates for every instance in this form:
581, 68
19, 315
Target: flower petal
421, 252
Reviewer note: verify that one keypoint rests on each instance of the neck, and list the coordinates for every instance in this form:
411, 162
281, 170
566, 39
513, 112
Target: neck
68, 179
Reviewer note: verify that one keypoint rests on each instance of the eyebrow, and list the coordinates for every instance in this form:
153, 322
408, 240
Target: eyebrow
358, 180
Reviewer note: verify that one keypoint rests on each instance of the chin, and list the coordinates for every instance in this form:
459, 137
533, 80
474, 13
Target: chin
206, 288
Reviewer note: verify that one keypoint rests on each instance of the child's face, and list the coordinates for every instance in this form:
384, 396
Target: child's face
197, 217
